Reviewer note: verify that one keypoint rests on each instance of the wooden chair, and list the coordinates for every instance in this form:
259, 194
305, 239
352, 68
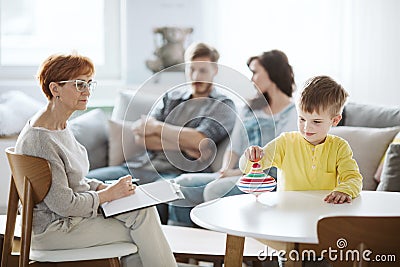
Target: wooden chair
354, 235
30, 183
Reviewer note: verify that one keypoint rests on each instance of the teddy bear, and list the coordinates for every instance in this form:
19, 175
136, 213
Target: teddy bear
171, 51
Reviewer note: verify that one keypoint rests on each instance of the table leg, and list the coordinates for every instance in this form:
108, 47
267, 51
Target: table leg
234, 251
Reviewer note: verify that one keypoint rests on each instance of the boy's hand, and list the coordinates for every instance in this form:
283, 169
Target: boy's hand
254, 153
336, 197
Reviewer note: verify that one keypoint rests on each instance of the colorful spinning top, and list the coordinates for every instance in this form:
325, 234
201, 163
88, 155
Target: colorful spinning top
256, 182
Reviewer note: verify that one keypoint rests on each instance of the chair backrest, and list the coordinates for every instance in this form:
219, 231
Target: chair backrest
30, 183
36, 170
353, 236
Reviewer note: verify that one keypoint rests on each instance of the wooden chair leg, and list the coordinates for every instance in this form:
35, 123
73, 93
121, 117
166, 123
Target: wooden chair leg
10, 225
27, 215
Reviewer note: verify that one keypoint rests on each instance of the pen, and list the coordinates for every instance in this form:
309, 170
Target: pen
134, 180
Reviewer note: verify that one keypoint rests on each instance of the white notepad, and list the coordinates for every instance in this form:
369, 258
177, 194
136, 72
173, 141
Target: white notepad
145, 196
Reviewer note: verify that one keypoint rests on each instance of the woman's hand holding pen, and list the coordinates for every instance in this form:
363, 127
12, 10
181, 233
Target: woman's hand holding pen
254, 153
122, 188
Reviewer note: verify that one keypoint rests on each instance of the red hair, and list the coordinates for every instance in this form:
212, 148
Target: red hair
62, 68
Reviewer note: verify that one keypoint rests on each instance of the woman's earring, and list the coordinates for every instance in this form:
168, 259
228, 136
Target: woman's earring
58, 97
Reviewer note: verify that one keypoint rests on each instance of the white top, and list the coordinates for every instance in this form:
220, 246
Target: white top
288, 216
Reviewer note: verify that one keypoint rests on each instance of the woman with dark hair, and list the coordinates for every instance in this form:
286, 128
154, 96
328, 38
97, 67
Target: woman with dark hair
278, 70
267, 115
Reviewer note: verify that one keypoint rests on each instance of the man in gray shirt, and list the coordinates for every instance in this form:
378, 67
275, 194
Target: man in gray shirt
182, 133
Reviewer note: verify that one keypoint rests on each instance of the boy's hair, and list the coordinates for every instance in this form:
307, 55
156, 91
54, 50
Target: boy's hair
196, 50
322, 93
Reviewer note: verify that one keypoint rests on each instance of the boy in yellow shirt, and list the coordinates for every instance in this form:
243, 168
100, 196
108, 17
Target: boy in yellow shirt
310, 158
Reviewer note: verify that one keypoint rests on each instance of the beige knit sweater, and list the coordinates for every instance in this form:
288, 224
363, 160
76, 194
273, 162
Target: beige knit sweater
70, 194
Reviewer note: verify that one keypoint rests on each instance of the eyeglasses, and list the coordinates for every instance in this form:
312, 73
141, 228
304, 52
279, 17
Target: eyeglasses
82, 86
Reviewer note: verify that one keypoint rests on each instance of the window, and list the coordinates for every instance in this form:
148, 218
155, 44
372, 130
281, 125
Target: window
31, 30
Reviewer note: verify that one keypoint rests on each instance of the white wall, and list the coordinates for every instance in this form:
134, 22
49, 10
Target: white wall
374, 55
356, 42
143, 16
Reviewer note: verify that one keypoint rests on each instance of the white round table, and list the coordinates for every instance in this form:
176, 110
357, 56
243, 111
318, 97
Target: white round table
287, 217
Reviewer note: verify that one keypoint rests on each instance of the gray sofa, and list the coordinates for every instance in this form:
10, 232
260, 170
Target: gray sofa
369, 130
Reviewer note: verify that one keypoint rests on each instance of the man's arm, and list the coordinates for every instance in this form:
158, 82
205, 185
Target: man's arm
195, 142
187, 138
216, 123
163, 136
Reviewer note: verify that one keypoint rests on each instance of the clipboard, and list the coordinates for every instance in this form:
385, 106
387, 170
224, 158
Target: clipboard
145, 196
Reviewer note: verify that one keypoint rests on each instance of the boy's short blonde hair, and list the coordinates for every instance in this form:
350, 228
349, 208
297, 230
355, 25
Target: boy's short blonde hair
322, 93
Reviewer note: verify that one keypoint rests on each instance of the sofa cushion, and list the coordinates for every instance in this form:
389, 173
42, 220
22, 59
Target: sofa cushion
378, 174
121, 142
368, 145
90, 129
130, 105
390, 179
364, 115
